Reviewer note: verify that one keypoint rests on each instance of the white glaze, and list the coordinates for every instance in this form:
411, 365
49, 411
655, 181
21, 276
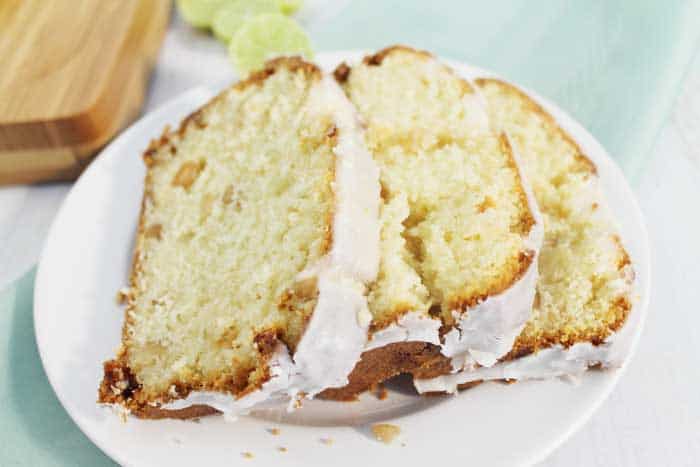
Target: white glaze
555, 361
356, 221
487, 331
410, 327
336, 334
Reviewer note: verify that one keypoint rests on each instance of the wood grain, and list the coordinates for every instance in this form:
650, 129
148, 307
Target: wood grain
79, 71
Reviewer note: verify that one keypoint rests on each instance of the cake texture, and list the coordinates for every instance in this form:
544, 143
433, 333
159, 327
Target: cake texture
584, 292
459, 232
257, 238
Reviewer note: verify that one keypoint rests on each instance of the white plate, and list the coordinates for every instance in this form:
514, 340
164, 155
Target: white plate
87, 257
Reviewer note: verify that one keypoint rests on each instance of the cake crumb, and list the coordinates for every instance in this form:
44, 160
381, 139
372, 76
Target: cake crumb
282, 449
123, 295
326, 441
273, 431
196, 420
385, 432
247, 455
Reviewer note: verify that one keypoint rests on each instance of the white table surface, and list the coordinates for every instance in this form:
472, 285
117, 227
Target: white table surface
653, 416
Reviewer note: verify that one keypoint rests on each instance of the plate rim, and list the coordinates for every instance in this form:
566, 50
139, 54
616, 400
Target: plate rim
205, 93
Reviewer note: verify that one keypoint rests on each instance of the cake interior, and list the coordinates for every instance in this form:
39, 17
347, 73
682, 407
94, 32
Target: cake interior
238, 202
583, 293
453, 213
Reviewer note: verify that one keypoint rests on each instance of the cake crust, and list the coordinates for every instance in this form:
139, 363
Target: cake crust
380, 364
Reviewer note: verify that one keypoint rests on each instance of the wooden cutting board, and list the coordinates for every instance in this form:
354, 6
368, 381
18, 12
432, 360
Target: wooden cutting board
73, 74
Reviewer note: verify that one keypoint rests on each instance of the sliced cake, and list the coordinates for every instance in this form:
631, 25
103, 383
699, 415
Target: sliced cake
258, 234
459, 235
584, 292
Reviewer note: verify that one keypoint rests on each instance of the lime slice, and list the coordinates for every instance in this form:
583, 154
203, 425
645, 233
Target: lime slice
289, 7
231, 16
264, 37
199, 13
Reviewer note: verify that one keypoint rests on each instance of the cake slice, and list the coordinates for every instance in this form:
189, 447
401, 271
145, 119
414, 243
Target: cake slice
584, 292
257, 236
459, 235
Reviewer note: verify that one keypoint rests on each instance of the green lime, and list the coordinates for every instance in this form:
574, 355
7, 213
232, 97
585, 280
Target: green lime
267, 36
231, 16
289, 7
199, 13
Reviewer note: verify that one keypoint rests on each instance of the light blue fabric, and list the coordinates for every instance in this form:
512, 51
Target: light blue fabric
614, 65
34, 428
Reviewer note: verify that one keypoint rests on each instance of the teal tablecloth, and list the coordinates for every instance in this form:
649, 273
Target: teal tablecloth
34, 428
616, 66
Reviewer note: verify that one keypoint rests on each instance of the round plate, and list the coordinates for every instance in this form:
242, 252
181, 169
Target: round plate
78, 322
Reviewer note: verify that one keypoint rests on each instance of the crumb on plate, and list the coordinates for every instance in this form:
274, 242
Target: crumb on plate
385, 432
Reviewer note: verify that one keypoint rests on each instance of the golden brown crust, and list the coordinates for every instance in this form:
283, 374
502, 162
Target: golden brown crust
527, 219
624, 256
266, 342
526, 345
342, 72
380, 364
292, 64
471, 384
118, 387
193, 411
327, 242
420, 359
586, 164
377, 58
